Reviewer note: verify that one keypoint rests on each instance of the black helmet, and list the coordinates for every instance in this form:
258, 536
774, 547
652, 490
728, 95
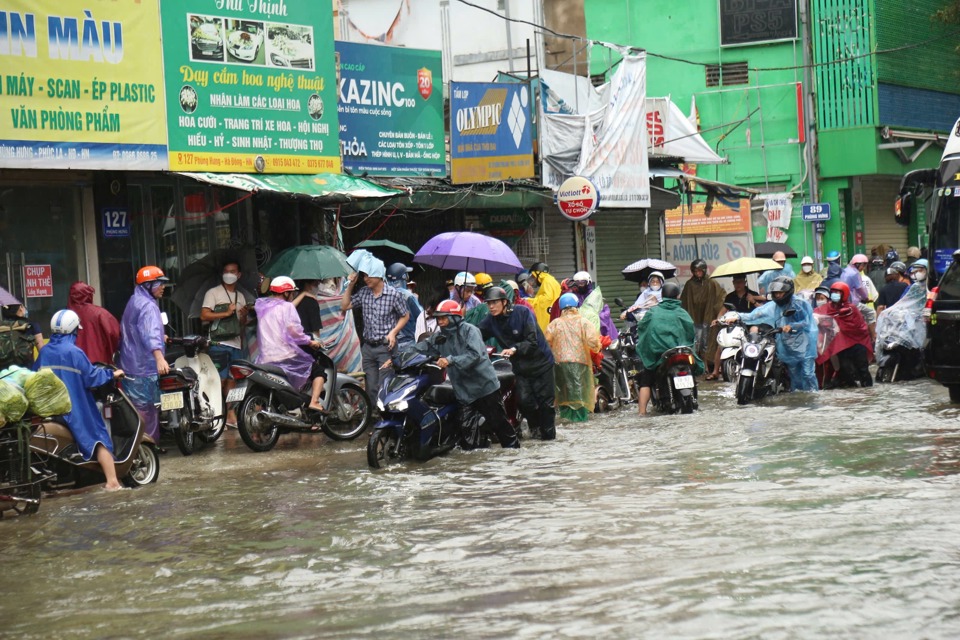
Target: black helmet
398, 271
892, 256
698, 264
495, 293
784, 284
670, 290
897, 267
540, 266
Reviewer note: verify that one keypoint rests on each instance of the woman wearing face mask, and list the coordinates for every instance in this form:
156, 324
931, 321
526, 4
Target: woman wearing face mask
225, 309
648, 298
850, 350
808, 280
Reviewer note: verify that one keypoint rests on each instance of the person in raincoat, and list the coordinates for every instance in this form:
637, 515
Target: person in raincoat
763, 282
476, 315
142, 347
281, 337
543, 290
459, 347
100, 336
592, 306
71, 365
832, 271
702, 298
808, 280
797, 344
663, 327
851, 347
572, 338
650, 296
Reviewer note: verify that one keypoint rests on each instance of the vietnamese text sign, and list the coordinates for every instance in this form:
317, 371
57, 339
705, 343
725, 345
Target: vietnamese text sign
37, 281
391, 110
577, 198
490, 132
694, 221
251, 86
815, 212
82, 85
715, 250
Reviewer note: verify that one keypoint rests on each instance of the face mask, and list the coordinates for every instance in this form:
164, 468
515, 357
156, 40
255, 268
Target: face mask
230, 278
821, 300
920, 276
835, 297
807, 268
655, 287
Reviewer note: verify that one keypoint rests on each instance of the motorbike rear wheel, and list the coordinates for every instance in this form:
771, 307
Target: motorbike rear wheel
351, 413
186, 440
261, 438
379, 449
730, 369
145, 469
685, 403
744, 389
214, 434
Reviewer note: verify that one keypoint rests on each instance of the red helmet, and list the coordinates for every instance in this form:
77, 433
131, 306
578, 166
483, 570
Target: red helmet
448, 308
151, 274
282, 284
843, 289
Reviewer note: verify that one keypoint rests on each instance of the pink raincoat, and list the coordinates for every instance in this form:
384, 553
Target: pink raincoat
280, 335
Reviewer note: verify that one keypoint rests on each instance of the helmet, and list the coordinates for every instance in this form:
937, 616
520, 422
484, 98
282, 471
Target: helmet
464, 279
698, 264
398, 271
495, 293
448, 308
859, 259
833, 255
897, 267
670, 290
843, 289
65, 321
892, 256
568, 300
523, 276
782, 284
483, 280
806, 260
878, 260
656, 274
513, 285
540, 266
922, 263
151, 274
821, 290
913, 252
582, 276
282, 284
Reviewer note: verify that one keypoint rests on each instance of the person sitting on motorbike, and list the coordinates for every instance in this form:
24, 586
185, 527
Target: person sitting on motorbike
851, 346
572, 339
464, 286
821, 295
281, 337
592, 306
542, 290
663, 327
71, 365
649, 297
520, 339
897, 284
460, 350
797, 342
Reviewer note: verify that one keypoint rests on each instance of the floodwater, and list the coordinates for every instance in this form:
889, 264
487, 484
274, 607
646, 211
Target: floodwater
805, 516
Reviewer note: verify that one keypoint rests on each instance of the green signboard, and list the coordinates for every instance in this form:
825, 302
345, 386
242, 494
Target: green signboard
251, 86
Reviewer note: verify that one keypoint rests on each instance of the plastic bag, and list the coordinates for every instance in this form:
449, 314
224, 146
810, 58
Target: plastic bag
16, 375
13, 404
47, 394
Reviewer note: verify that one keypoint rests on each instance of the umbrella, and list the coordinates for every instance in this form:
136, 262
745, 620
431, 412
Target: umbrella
388, 251
309, 262
767, 249
641, 269
468, 251
200, 276
363, 260
7, 299
745, 265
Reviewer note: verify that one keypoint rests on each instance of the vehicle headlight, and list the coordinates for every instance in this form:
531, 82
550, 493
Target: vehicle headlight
398, 406
751, 350
379, 404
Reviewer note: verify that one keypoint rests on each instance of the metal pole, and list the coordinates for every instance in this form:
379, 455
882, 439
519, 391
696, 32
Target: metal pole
810, 122
506, 12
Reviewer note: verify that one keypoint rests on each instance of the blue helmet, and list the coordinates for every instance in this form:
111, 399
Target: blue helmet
568, 300
921, 263
833, 255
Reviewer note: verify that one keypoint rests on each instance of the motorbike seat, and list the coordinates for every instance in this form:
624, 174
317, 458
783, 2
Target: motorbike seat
269, 368
505, 378
189, 374
440, 394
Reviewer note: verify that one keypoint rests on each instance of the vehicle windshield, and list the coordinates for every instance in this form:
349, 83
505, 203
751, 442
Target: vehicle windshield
950, 283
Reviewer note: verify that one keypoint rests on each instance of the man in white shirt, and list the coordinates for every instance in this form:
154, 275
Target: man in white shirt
219, 303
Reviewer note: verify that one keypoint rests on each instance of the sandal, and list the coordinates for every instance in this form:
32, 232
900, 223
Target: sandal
711, 376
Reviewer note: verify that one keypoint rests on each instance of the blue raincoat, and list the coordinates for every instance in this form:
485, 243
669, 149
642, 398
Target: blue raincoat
62, 356
797, 349
141, 333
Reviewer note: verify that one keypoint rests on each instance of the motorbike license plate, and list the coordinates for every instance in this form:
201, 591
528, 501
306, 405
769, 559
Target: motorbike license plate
170, 401
236, 394
683, 382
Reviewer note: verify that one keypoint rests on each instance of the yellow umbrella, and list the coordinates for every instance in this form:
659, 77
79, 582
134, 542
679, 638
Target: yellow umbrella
745, 265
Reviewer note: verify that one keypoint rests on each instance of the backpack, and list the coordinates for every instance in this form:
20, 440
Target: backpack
16, 343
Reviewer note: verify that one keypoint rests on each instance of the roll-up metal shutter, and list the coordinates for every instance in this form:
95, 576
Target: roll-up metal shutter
556, 245
879, 225
621, 241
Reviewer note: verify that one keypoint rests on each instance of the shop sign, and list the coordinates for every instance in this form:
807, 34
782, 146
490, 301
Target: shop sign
577, 198
490, 132
250, 86
716, 250
81, 86
696, 220
116, 222
37, 281
391, 119
815, 212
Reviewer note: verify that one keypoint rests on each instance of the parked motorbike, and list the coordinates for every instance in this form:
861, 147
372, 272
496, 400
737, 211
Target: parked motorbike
20, 490
761, 372
897, 360
675, 387
730, 338
901, 336
191, 402
420, 415
60, 464
271, 406
616, 385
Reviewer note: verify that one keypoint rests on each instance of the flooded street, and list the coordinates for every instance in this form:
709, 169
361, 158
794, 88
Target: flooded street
833, 515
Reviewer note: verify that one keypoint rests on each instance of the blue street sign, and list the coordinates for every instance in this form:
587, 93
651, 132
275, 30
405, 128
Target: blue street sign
816, 212
116, 222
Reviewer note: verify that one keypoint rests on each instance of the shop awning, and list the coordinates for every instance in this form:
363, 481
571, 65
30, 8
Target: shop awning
328, 187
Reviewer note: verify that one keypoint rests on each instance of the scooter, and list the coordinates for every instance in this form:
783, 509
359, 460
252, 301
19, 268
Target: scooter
60, 465
675, 387
615, 385
761, 372
270, 405
897, 361
191, 402
20, 490
730, 338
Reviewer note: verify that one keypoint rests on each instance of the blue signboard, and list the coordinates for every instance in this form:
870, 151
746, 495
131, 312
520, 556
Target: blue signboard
391, 110
818, 212
490, 132
942, 259
116, 222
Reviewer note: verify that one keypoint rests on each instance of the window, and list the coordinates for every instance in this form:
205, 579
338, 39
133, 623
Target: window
730, 73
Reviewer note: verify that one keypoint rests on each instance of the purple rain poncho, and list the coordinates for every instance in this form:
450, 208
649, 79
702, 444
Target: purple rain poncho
280, 335
141, 333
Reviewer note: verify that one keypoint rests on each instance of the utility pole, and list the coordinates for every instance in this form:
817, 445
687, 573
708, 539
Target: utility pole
810, 122
506, 13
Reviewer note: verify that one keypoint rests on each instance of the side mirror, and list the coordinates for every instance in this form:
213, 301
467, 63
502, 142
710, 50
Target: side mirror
905, 208
789, 313
619, 301
729, 306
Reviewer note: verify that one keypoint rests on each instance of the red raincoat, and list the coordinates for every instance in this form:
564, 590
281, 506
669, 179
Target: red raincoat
853, 330
100, 336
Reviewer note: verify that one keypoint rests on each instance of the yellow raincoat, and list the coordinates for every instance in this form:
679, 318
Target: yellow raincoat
546, 295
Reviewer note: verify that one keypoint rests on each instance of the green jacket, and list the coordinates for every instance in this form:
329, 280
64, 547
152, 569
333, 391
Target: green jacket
664, 327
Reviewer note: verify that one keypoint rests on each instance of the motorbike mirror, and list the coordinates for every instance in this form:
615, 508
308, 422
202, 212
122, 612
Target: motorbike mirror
789, 313
729, 306
619, 301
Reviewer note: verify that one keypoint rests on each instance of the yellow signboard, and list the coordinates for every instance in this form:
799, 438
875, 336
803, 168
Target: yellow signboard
695, 220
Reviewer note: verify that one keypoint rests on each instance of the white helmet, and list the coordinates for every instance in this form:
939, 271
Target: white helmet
465, 279
806, 260
582, 276
65, 321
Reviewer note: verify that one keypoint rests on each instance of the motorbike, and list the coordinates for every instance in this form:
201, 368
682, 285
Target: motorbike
191, 402
60, 465
270, 406
901, 335
761, 372
616, 384
20, 490
420, 415
898, 360
730, 338
675, 387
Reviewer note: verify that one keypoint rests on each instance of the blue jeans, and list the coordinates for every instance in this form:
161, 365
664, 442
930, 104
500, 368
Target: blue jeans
803, 375
223, 356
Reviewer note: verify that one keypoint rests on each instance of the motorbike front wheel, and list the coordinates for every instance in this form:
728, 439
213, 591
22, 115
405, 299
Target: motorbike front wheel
381, 448
185, 438
351, 413
730, 369
744, 389
146, 467
258, 438
603, 402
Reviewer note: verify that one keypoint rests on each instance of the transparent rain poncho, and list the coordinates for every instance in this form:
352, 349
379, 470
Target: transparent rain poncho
903, 322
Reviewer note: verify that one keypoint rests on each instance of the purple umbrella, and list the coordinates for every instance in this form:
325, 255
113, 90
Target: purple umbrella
467, 251
7, 299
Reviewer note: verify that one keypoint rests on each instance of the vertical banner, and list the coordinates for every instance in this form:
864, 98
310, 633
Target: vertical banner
251, 86
778, 210
391, 110
490, 132
82, 85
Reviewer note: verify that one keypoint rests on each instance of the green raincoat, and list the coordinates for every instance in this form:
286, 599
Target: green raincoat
664, 327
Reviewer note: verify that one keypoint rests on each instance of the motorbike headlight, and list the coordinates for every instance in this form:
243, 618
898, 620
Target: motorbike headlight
398, 406
751, 350
379, 404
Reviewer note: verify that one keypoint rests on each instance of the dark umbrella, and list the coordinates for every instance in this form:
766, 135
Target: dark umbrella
206, 273
767, 249
388, 251
641, 269
309, 262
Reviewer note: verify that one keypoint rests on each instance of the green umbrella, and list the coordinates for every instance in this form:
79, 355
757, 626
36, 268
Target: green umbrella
309, 262
387, 244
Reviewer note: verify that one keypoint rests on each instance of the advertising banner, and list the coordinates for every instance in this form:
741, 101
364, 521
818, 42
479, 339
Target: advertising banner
250, 86
490, 132
695, 221
391, 110
716, 250
81, 86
